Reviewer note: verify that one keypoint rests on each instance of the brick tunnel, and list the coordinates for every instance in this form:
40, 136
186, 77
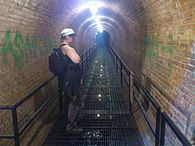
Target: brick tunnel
139, 54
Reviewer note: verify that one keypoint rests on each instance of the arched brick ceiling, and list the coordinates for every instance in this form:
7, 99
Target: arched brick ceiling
155, 38
115, 18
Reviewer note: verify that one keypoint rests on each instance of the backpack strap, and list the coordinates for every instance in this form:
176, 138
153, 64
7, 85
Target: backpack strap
59, 48
58, 51
62, 45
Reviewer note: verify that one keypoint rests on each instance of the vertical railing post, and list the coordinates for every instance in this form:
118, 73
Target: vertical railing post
60, 94
89, 54
129, 87
87, 61
82, 62
86, 64
121, 73
162, 131
15, 126
115, 63
158, 124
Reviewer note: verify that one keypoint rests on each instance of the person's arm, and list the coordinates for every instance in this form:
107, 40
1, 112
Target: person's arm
72, 54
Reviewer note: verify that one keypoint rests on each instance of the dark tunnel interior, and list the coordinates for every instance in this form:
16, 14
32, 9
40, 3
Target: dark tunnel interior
149, 44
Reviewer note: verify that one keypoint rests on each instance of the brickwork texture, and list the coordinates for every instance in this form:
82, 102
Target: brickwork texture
26, 38
155, 38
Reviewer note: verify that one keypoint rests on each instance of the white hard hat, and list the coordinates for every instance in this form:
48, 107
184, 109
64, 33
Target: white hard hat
67, 32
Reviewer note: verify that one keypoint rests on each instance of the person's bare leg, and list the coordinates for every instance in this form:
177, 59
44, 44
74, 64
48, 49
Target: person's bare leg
73, 109
73, 112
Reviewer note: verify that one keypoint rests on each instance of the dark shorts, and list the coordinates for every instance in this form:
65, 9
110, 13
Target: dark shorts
72, 87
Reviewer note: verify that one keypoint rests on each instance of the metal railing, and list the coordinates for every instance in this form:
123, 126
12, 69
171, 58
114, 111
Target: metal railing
13, 108
160, 117
166, 120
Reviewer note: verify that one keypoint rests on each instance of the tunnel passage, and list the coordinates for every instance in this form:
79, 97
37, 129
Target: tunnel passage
155, 38
103, 39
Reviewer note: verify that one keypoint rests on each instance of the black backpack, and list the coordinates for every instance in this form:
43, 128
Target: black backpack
57, 64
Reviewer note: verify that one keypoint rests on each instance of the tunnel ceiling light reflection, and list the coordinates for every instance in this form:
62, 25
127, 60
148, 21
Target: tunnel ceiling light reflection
98, 23
94, 11
94, 8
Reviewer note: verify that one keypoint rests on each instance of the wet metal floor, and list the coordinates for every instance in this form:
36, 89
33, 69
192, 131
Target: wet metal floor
105, 115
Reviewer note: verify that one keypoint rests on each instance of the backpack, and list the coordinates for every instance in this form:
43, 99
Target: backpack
57, 64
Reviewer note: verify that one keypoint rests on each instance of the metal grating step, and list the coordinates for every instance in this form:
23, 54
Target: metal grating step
102, 105
102, 69
98, 137
105, 115
101, 75
110, 78
101, 82
102, 90
88, 112
107, 121
97, 97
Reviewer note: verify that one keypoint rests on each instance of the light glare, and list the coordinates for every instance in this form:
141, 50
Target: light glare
93, 8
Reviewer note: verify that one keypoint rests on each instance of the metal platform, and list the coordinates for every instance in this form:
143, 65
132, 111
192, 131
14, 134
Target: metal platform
105, 115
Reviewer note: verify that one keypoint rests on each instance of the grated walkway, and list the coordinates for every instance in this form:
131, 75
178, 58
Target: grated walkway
105, 115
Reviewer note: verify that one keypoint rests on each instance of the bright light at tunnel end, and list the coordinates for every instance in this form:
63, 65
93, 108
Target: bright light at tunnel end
94, 11
100, 29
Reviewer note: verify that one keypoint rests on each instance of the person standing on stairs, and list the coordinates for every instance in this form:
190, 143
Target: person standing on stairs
71, 80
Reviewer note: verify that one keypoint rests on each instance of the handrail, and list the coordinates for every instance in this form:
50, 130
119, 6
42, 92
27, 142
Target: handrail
6, 107
161, 117
140, 85
13, 107
129, 73
94, 45
7, 136
149, 97
146, 118
166, 120
87, 56
21, 101
125, 66
38, 111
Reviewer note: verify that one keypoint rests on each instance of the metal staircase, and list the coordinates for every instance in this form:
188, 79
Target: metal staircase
105, 115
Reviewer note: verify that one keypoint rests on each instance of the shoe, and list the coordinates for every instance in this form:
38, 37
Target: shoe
74, 130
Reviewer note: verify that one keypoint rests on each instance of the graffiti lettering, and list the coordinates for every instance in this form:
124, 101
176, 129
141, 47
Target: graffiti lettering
18, 41
153, 53
23, 49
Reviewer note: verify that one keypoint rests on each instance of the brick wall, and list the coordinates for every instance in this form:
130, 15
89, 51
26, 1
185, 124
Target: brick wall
27, 35
167, 39
158, 42
159, 47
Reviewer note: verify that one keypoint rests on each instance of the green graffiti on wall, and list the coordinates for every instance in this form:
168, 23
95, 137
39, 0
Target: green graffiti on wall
27, 48
18, 41
152, 54
152, 44
23, 49
34, 45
